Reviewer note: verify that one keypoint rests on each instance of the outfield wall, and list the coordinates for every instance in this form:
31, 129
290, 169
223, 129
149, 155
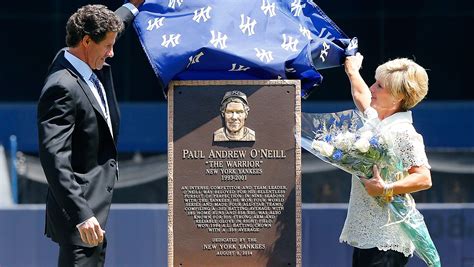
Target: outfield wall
137, 235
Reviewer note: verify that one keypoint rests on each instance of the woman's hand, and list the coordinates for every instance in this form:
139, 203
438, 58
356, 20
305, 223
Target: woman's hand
353, 64
360, 91
374, 186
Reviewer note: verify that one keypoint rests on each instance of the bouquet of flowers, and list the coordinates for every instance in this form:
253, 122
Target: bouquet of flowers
351, 143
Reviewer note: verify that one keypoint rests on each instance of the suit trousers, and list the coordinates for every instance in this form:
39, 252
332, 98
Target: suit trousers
374, 257
77, 256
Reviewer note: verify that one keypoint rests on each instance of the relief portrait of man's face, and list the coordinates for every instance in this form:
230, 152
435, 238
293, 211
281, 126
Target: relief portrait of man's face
234, 116
234, 111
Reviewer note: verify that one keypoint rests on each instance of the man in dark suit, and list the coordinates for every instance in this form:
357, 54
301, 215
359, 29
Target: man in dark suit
78, 123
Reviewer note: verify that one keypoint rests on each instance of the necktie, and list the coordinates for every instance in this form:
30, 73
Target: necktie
98, 85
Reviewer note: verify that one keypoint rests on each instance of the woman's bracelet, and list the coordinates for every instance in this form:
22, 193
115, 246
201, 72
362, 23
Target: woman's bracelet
388, 191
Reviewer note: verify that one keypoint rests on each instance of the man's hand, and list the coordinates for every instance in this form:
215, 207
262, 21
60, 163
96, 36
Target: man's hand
137, 3
91, 232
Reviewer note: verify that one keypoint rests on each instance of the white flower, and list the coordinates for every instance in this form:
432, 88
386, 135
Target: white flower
366, 135
323, 148
344, 140
362, 145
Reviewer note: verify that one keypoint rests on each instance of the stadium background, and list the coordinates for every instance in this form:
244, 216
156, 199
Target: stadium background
436, 34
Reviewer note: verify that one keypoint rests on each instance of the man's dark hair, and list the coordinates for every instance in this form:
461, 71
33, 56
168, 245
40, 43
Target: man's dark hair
93, 20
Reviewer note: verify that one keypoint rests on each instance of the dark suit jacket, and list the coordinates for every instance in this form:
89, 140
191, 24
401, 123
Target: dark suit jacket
77, 151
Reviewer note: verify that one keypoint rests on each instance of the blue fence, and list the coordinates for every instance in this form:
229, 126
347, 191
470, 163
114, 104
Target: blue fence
137, 236
144, 125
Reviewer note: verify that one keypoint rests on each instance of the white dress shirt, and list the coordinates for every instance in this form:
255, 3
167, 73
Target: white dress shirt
85, 71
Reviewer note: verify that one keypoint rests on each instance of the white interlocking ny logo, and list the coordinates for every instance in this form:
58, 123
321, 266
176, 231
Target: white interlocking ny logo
262, 54
202, 14
171, 39
241, 68
268, 8
296, 8
289, 43
247, 25
324, 52
353, 44
218, 40
155, 23
194, 59
173, 3
326, 33
305, 32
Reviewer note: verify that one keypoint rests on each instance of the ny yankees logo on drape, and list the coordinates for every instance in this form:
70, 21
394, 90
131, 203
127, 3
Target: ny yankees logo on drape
240, 39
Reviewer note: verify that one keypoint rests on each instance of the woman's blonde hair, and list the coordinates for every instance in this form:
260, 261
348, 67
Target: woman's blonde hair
405, 80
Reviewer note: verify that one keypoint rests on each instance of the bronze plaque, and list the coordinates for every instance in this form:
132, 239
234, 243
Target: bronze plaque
234, 190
